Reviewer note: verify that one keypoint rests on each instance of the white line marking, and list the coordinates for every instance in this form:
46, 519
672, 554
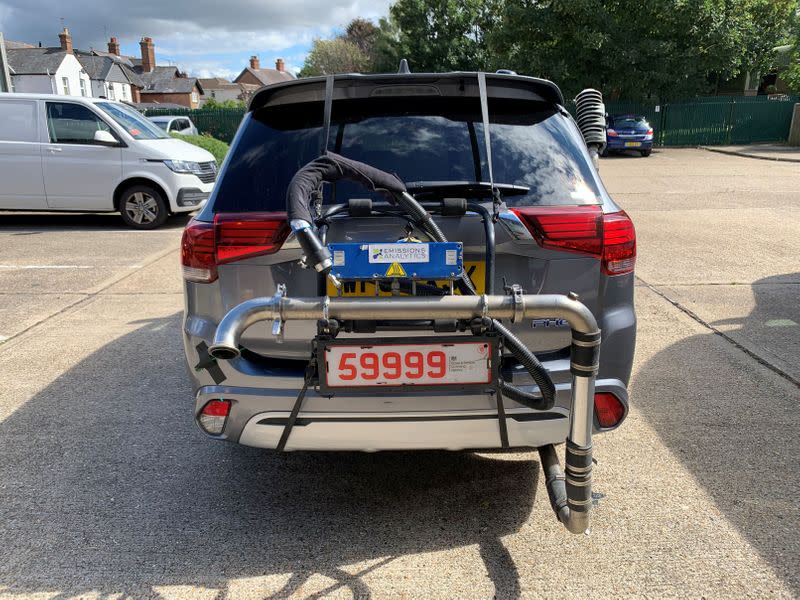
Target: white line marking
20, 267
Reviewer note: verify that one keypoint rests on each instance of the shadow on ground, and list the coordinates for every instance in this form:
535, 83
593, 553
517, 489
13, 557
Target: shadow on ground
734, 425
78, 221
106, 486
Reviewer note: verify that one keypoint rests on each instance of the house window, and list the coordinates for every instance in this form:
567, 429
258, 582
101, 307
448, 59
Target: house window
194, 97
111, 94
65, 85
83, 86
124, 92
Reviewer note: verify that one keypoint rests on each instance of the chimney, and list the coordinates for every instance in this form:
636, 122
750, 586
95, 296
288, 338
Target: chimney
66, 41
113, 46
280, 66
148, 54
254, 63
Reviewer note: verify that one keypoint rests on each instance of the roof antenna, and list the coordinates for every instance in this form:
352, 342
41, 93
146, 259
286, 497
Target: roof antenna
404, 67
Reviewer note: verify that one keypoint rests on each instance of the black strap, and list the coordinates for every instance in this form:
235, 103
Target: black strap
326, 115
209, 363
287, 431
496, 198
501, 417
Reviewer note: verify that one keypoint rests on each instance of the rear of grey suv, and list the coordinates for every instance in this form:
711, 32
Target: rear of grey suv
556, 231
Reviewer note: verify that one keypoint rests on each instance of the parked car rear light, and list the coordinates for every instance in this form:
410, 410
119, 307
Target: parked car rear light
232, 236
567, 228
611, 133
609, 409
650, 131
213, 416
619, 244
584, 230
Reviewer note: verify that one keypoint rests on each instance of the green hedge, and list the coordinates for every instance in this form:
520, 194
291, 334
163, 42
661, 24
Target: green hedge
217, 148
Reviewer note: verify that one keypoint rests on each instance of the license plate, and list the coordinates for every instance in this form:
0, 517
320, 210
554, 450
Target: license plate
475, 270
632, 144
418, 364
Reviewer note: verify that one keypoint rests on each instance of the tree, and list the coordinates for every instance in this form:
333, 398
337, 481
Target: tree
214, 103
334, 56
791, 73
638, 48
445, 35
362, 33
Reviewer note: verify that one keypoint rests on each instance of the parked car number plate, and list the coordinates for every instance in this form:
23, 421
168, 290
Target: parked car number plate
632, 144
467, 363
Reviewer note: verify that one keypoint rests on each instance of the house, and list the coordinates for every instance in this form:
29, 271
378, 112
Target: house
164, 84
109, 78
111, 74
5, 75
223, 90
47, 70
255, 75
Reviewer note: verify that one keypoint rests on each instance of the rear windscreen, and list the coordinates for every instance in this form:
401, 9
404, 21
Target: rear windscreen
630, 123
419, 139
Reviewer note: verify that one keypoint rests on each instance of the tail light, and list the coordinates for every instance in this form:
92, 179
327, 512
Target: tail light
650, 131
608, 409
611, 133
584, 230
231, 237
619, 244
213, 416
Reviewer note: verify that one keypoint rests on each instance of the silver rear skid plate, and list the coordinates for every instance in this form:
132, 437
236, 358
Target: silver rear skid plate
570, 490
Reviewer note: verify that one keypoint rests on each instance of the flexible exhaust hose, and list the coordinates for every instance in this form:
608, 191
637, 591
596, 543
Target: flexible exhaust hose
333, 167
517, 348
590, 113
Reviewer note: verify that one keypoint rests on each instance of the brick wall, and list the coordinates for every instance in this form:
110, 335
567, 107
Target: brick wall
182, 99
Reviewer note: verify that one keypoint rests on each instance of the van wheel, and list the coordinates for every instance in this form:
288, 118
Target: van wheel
143, 207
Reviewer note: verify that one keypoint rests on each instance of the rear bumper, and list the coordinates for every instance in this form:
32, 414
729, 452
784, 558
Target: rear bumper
392, 422
616, 143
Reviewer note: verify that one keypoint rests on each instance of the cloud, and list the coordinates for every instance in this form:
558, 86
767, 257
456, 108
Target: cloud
198, 36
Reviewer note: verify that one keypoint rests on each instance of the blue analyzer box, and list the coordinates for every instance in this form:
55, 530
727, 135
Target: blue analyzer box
408, 260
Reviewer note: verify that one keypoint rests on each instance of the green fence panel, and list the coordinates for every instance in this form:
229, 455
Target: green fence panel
761, 122
220, 123
695, 123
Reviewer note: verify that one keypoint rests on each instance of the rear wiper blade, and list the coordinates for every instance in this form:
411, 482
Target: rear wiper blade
468, 188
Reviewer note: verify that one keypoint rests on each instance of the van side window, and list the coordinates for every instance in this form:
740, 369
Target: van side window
70, 123
18, 121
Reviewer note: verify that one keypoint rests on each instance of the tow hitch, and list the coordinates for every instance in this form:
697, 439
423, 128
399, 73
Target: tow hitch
467, 363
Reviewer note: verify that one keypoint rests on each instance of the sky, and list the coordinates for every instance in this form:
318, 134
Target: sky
207, 39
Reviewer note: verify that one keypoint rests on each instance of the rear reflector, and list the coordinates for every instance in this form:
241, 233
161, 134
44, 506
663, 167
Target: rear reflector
584, 230
609, 409
232, 237
213, 416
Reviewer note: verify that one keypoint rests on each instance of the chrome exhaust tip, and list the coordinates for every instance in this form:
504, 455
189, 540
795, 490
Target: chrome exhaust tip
224, 352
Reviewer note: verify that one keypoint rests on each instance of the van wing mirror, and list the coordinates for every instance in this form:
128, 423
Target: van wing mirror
104, 138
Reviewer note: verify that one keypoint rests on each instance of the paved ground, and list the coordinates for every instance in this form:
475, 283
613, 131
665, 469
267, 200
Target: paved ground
779, 152
107, 489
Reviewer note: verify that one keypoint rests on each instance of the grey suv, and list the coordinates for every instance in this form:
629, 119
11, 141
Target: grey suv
331, 316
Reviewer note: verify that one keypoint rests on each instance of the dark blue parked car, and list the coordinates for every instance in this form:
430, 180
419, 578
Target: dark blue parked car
629, 132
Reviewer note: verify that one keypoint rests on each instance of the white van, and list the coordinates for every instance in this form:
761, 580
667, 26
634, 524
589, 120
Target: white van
91, 154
